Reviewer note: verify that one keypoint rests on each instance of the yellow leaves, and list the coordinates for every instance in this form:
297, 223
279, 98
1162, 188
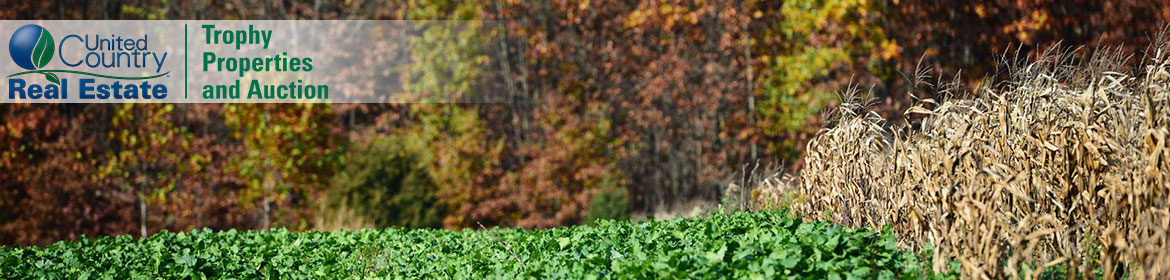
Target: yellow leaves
1023, 27
1039, 18
889, 50
669, 15
635, 18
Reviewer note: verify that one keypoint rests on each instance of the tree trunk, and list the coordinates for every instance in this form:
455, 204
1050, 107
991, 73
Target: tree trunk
266, 219
747, 50
142, 215
265, 222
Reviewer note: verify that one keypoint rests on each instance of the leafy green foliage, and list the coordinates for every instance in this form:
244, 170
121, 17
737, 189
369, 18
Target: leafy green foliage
740, 245
386, 182
609, 203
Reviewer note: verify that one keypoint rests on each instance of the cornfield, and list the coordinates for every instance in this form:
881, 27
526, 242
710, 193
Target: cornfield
1058, 168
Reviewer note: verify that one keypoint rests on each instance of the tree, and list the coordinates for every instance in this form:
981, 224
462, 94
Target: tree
289, 150
666, 79
809, 50
149, 155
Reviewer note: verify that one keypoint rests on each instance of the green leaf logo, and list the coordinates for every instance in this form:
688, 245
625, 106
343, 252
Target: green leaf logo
43, 52
52, 78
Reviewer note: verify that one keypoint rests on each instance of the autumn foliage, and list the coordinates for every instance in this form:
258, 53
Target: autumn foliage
663, 101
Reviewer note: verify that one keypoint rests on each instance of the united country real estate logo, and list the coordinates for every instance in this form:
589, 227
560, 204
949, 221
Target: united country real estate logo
33, 48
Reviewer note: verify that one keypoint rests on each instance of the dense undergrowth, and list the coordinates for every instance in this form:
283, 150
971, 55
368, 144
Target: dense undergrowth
742, 245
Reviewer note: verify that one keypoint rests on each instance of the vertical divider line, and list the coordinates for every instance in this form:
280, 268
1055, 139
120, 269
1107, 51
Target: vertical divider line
185, 59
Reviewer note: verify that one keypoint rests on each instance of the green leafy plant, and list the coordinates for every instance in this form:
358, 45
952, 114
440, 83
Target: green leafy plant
741, 245
386, 182
609, 203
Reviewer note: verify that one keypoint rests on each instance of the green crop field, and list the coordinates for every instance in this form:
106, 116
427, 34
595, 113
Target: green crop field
741, 245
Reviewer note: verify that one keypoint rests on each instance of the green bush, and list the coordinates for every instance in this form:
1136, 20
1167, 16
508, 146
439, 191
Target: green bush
386, 182
609, 203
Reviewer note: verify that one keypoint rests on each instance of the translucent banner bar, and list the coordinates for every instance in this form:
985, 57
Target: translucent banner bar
249, 61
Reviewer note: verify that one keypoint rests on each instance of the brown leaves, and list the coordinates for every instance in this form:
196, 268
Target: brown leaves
1020, 178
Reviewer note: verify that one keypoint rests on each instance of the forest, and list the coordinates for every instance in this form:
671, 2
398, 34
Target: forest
611, 110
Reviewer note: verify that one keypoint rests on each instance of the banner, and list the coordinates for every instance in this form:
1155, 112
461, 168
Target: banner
357, 61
